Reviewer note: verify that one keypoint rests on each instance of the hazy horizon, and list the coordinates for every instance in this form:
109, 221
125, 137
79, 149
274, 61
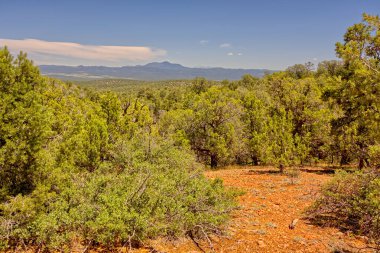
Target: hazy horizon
134, 65
243, 34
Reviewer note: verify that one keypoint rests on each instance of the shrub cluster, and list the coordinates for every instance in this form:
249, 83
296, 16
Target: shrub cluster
89, 169
166, 195
351, 201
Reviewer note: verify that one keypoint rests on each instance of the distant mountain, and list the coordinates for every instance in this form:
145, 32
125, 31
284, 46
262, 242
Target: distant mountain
151, 71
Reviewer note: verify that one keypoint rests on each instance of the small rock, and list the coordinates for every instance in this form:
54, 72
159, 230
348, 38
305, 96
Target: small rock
293, 224
255, 223
261, 244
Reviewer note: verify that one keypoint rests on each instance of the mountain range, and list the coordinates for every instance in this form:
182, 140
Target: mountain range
151, 71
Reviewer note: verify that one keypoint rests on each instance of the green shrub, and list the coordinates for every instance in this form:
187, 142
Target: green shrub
374, 155
163, 194
84, 168
351, 202
293, 175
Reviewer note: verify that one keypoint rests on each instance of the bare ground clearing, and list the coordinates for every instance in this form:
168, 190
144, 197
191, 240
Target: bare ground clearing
269, 205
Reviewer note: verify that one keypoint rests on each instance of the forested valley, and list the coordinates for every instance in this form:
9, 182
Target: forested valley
107, 169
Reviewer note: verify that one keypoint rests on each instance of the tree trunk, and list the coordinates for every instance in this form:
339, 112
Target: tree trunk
255, 160
345, 159
363, 160
214, 160
361, 163
281, 167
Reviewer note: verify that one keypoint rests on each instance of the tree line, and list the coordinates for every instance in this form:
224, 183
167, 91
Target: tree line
304, 115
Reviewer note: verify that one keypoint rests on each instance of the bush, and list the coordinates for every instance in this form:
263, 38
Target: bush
374, 155
163, 194
293, 174
351, 202
87, 169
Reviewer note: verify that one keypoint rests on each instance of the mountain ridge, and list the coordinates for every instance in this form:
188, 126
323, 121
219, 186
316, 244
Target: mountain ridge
153, 71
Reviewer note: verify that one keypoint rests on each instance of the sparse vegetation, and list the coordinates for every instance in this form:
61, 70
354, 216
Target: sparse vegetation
293, 175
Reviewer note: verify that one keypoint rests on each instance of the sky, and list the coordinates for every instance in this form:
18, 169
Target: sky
266, 34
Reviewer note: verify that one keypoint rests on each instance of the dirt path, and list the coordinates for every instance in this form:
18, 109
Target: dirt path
269, 205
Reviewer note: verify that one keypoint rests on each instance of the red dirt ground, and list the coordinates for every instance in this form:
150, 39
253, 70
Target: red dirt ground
269, 205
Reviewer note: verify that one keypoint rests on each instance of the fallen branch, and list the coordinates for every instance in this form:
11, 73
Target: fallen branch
208, 239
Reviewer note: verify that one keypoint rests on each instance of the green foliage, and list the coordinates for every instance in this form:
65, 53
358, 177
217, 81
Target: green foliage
282, 142
24, 123
300, 71
165, 195
200, 85
351, 202
333, 110
215, 130
257, 128
105, 168
374, 155
175, 124
95, 168
330, 68
357, 90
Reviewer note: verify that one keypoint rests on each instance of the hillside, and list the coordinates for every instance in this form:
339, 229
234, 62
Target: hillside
149, 72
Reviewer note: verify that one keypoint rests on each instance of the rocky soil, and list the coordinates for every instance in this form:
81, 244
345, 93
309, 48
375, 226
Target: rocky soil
271, 202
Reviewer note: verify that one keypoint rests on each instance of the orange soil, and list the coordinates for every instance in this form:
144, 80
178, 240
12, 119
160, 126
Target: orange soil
269, 205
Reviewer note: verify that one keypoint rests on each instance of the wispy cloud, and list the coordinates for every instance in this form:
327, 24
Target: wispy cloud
48, 52
203, 42
232, 54
225, 45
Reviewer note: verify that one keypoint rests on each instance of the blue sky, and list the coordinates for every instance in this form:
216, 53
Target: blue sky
269, 34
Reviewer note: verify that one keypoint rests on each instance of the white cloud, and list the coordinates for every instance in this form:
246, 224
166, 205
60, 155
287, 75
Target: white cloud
230, 54
203, 42
315, 59
239, 54
48, 52
225, 45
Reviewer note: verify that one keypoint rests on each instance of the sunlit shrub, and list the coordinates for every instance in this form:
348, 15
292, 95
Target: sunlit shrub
351, 202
